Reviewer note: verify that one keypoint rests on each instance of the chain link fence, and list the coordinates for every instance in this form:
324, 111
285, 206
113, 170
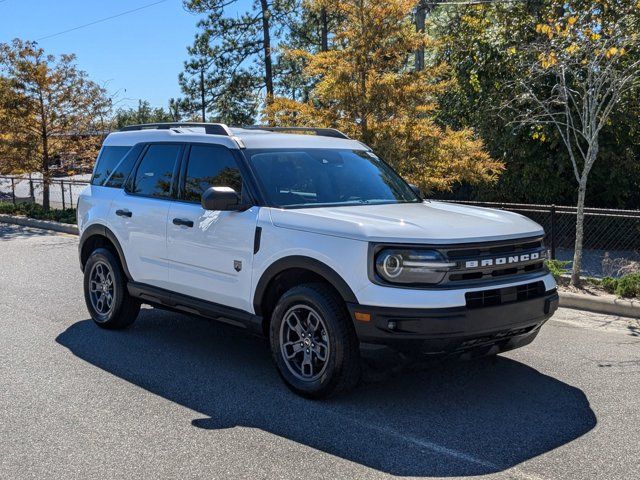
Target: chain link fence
63, 193
611, 237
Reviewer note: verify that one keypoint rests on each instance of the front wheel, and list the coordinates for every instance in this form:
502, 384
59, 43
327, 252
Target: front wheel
313, 342
105, 292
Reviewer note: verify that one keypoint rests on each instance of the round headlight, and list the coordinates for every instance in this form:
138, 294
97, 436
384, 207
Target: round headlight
392, 265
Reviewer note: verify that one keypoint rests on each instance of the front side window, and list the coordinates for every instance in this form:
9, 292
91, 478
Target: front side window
154, 175
107, 161
323, 177
210, 166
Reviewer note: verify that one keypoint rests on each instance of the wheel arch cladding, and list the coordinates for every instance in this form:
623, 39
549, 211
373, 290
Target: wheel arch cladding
314, 269
96, 236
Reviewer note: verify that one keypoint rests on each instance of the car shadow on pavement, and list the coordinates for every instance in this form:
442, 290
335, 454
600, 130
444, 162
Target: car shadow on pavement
450, 419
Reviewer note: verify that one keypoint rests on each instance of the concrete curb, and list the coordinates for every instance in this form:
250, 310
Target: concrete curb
608, 305
43, 224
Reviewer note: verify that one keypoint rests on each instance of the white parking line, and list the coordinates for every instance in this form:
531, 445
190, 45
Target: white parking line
513, 472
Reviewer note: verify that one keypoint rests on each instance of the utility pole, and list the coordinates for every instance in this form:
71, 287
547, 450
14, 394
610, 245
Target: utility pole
421, 14
423, 8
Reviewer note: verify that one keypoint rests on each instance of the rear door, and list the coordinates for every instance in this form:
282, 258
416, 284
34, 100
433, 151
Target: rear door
138, 215
210, 252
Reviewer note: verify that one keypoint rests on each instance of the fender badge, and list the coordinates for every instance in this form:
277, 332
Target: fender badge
237, 265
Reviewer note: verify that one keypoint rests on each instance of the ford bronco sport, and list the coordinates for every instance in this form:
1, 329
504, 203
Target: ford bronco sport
307, 237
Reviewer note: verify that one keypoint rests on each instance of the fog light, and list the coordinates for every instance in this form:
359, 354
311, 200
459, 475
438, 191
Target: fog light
391, 325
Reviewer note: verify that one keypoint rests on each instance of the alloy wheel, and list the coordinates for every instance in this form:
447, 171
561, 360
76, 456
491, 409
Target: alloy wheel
304, 342
101, 289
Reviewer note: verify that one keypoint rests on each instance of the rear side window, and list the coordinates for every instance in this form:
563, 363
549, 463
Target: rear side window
123, 169
107, 161
210, 166
154, 175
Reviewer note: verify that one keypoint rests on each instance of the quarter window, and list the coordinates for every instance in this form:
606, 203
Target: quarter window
154, 175
109, 158
210, 166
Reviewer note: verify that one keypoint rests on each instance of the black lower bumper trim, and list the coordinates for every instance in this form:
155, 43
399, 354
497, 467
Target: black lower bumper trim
454, 329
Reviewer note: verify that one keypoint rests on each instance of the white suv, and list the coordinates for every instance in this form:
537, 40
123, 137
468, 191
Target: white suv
305, 236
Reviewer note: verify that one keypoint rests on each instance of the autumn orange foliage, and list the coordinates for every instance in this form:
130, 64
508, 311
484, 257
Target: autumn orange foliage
366, 87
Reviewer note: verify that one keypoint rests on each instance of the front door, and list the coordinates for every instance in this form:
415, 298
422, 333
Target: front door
210, 252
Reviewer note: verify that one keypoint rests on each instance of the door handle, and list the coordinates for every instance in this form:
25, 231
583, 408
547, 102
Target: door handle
182, 221
124, 213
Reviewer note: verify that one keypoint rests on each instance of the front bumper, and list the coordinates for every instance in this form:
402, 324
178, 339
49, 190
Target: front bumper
458, 329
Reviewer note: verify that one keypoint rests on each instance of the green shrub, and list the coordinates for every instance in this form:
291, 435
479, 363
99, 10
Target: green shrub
34, 210
557, 267
7, 208
629, 286
609, 284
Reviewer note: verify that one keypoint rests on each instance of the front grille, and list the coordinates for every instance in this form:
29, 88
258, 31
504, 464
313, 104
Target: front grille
501, 248
501, 296
490, 261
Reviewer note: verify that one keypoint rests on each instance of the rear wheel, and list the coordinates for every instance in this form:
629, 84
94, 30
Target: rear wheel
313, 342
105, 292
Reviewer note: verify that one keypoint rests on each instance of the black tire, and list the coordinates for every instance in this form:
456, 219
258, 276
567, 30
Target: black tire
341, 369
122, 310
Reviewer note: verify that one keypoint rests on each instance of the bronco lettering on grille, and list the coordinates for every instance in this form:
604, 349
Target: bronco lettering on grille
511, 259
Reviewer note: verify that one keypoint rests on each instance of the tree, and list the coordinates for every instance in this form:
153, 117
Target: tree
577, 74
144, 113
231, 59
51, 104
308, 28
365, 88
15, 150
482, 44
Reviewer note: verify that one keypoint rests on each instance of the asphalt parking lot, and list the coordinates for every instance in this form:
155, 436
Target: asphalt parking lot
180, 397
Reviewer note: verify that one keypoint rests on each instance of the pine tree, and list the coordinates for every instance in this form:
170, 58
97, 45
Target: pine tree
231, 60
308, 29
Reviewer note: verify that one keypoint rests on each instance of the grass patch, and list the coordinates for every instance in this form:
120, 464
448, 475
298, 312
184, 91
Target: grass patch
33, 210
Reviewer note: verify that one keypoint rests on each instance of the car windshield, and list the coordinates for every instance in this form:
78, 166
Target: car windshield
322, 177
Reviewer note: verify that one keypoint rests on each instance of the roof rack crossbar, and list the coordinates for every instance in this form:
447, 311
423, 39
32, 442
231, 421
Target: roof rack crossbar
209, 128
323, 132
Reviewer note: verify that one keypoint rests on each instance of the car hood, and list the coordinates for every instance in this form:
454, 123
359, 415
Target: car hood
427, 222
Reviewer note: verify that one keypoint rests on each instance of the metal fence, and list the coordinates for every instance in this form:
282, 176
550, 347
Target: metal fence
63, 193
611, 237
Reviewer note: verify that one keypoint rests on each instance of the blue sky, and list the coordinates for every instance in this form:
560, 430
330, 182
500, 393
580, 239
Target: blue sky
138, 55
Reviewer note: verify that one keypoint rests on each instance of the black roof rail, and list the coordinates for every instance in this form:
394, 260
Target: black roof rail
323, 132
209, 128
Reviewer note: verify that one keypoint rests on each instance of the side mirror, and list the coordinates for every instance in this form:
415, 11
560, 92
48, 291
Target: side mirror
222, 198
416, 190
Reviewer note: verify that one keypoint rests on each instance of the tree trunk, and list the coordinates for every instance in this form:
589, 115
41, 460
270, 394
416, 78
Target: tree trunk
266, 42
324, 30
203, 104
577, 254
45, 170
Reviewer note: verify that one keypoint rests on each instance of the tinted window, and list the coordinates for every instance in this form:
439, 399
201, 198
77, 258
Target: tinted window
210, 166
109, 158
318, 177
155, 172
123, 169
